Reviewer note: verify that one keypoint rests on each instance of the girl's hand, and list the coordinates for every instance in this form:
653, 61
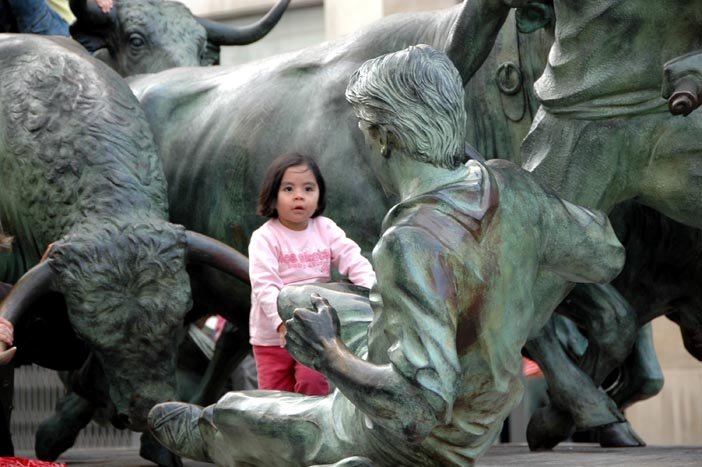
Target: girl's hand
45, 256
282, 331
6, 338
6, 332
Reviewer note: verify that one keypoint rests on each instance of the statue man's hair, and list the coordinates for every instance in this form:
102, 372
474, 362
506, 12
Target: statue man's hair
417, 95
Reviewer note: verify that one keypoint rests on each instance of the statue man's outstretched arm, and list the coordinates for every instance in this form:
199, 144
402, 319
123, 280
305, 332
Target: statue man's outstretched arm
377, 390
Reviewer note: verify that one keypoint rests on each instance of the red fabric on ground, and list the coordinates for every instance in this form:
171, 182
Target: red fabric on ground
23, 462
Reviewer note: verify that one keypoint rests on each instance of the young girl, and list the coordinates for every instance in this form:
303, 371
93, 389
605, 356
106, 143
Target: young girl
295, 246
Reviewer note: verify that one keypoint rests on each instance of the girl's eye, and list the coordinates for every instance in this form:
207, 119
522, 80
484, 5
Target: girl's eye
309, 189
287, 189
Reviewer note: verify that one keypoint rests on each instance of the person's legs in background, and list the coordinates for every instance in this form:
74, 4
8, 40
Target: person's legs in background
35, 17
275, 368
309, 381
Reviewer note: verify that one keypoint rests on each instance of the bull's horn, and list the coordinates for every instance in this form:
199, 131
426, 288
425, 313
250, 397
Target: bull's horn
220, 34
32, 285
205, 250
89, 11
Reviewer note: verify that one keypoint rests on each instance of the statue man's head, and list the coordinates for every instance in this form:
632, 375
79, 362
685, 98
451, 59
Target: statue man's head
412, 100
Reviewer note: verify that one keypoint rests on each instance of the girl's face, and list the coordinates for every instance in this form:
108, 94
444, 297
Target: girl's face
298, 196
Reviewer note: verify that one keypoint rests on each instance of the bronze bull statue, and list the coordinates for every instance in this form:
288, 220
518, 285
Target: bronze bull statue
79, 170
145, 36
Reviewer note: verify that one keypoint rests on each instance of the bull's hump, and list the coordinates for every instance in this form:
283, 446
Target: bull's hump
71, 131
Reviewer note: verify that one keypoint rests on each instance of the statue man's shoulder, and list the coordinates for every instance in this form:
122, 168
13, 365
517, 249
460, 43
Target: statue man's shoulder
457, 207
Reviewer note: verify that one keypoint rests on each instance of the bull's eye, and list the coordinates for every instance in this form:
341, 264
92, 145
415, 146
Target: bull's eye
136, 41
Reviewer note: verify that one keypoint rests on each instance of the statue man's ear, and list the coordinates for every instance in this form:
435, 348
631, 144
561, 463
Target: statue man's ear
385, 139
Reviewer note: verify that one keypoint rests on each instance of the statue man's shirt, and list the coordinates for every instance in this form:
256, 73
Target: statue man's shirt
457, 299
608, 55
603, 134
466, 273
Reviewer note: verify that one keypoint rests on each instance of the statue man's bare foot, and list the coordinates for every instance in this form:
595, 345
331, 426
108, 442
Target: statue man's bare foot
618, 435
176, 426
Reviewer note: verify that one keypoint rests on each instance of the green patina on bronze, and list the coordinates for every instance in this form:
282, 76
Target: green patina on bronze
79, 168
501, 109
468, 248
498, 119
147, 36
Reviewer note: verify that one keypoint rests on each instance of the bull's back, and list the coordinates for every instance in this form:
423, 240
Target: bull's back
73, 145
219, 128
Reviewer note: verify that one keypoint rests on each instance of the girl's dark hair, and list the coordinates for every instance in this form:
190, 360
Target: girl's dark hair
268, 195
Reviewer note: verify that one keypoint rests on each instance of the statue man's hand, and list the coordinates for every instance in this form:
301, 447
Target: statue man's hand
312, 332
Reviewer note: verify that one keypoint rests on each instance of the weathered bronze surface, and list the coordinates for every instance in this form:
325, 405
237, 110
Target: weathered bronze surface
146, 36
470, 264
79, 170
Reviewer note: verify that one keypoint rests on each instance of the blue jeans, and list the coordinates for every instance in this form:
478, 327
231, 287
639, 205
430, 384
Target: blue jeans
35, 17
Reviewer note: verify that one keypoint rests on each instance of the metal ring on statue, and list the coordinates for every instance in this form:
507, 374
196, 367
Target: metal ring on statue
509, 78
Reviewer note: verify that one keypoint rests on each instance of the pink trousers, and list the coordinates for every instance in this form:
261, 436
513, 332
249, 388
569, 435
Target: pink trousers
278, 370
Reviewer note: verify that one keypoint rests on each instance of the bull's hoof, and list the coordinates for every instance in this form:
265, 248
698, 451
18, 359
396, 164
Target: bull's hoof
548, 427
175, 426
618, 435
151, 450
58, 433
52, 439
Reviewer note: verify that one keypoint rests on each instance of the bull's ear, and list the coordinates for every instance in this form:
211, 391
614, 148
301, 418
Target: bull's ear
534, 17
210, 56
93, 39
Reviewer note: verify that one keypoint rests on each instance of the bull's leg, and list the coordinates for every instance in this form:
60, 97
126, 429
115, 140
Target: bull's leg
640, 376
611, 327
692, 339
610, 324
574, 397
672, 181
7, 378
689, 317
58, 433
231, 348
6, 390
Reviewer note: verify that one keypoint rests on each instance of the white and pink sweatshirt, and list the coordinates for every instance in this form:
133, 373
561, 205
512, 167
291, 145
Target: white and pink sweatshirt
279, 256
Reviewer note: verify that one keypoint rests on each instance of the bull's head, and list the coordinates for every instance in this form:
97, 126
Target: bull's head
147, 36
127, 292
